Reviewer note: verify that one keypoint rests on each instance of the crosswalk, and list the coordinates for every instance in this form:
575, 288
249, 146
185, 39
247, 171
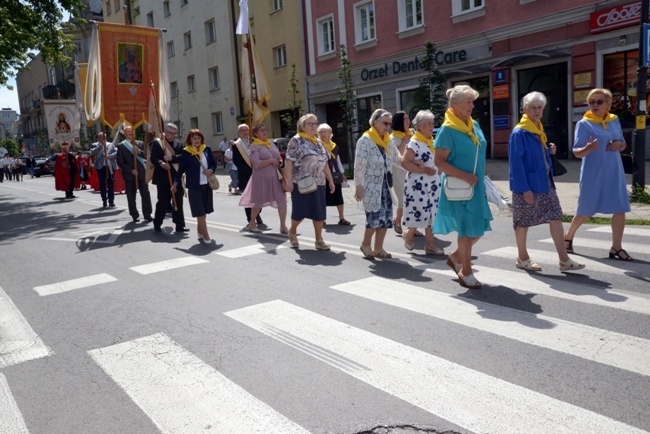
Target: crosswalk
181, 393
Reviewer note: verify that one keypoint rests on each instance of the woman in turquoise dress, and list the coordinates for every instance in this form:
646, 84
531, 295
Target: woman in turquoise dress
460, 152
599, 141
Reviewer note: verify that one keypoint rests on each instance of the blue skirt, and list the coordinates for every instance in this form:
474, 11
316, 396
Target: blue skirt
384, 217
200, 201
308, 206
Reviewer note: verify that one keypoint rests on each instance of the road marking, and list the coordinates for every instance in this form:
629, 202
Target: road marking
11, 420
71, 285
18, 342
566, 289
640, 232
250, 250
463, 396
182, 394
590, 343
169, 264
604, 245
546, 258
74, 240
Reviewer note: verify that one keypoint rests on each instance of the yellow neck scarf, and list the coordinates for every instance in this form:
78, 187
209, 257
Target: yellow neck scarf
528, 125
595, 119
398, 134
380, 141
306, 136
257, 141
452, 121
193, 151
419, 137
330, 147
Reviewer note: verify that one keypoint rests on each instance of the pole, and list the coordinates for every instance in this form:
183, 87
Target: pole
638, 179
164, 148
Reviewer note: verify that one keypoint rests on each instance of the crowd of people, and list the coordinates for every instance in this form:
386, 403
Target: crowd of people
435, 184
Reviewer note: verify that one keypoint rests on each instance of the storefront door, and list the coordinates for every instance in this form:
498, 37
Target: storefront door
551, 80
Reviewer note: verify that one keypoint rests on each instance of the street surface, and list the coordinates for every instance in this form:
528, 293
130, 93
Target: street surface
109, 327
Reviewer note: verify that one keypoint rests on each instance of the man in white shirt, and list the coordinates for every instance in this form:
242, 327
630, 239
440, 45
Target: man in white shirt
223, 147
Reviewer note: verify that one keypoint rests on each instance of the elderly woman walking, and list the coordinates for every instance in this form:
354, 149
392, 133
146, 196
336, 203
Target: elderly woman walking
460, 153
372, 174
534, 200
422, 185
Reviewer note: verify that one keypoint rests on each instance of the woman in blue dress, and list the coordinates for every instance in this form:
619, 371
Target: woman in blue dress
422, 184
460, 152
599, 141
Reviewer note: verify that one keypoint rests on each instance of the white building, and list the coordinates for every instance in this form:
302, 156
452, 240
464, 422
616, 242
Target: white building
8, 123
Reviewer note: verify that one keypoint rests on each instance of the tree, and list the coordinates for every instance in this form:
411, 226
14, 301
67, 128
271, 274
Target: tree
11, 147
290, 119
35, 25
430, 93
347, 101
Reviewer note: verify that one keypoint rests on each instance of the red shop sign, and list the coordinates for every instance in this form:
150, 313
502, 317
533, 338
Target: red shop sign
615, 18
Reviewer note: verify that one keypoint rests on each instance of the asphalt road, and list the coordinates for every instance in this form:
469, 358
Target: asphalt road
108, 327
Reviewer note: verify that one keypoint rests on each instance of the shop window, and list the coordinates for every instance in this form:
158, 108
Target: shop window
410, 14
364, 22
620, 77
365, 107
407, 102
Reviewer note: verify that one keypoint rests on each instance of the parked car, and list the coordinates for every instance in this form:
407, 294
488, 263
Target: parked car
281, 144
42, 166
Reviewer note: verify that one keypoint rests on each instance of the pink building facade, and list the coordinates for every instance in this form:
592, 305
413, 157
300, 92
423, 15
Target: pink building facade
502, 48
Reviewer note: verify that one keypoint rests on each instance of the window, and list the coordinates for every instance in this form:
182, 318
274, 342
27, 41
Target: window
619, 75
108, 7
191, 84
166, 11
150, 19
364, 22
170, 49
187, 37
410, 14
280, 56
117, 5
217, 123
463, 6
326, 35
183, 2
194, 123
277, 5
365, 107
136, 11
173, 89
213, 74
210, 32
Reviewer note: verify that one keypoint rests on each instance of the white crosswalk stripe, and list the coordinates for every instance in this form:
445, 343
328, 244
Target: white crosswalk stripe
169, 264
73, 284
603, 245
637, 232
18, 342
182, 394
250, 250
559, 287
11, 420
591, 343
460, 395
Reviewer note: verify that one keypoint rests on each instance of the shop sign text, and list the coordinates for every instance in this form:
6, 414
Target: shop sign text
396, 68
615, 18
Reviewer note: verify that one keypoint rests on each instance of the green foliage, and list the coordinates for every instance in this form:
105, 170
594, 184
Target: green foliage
349, 173
639, 195
430, 93
290, 119
35, 25
566, 218
347, 100
11, 146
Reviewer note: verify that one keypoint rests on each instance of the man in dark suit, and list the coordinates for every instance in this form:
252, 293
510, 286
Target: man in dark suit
128, 151
243, 163
165, 156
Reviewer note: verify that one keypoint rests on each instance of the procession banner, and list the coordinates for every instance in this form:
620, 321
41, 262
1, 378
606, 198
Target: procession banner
63, 121
124, 61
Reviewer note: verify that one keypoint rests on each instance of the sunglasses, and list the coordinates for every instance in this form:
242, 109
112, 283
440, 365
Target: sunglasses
596, 101
388, 124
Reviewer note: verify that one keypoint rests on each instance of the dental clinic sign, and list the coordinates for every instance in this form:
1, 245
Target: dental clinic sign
615, 18
396, 67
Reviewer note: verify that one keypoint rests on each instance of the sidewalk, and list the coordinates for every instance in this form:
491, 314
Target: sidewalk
567, 188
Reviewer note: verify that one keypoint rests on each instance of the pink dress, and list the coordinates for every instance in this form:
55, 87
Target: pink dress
264, 188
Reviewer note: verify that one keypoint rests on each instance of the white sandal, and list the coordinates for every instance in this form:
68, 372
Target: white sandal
527, 265
571, 265
468, 281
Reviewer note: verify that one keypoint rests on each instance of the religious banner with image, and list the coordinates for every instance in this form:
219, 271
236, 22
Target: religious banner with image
63, 121
124, 61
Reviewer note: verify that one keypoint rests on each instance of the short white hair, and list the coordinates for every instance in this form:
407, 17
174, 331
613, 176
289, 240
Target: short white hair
534, 97
378, 114
461, 92
324, 127
421, 117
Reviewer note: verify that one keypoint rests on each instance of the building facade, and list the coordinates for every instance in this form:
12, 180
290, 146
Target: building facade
8, 124
504, 49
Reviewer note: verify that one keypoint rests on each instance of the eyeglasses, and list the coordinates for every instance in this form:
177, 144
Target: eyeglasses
596, 101
171, 132
311, 124
388, 124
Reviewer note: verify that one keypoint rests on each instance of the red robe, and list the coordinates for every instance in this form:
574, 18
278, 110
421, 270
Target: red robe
119, 185
62, 172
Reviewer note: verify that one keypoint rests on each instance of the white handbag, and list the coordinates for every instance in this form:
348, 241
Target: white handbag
457, 189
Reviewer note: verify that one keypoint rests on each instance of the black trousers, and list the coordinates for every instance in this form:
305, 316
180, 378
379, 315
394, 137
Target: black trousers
144, 196
106, 185
164, 197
